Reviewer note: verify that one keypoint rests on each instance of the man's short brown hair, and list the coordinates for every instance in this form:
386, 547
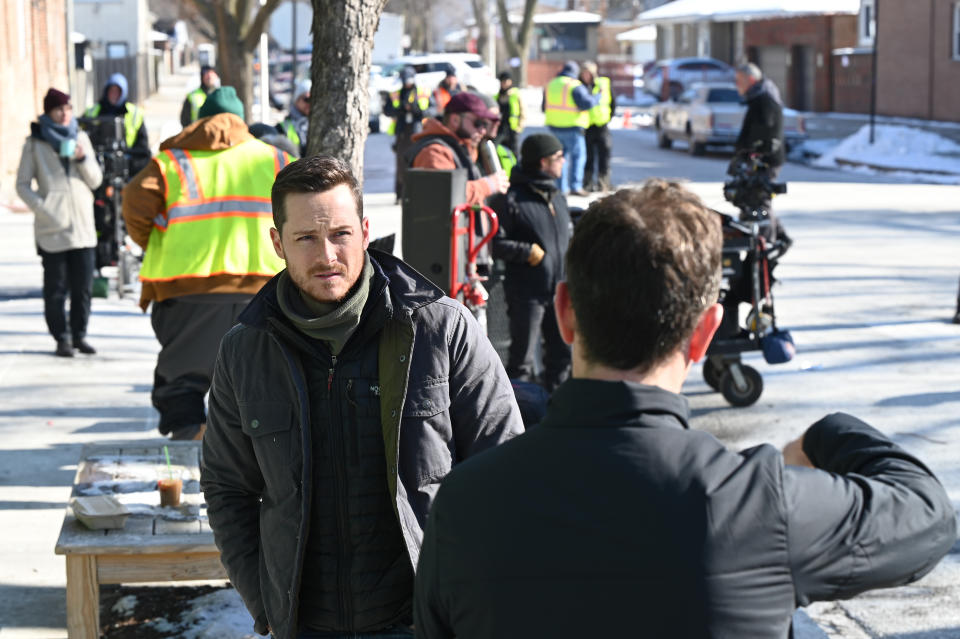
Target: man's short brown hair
642, 267
314, 174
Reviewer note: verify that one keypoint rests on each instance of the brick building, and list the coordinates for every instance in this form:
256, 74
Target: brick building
918, 58
33, 57
795, 46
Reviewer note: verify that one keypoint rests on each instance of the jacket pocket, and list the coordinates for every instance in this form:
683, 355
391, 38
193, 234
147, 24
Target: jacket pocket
268, 424
426, 433
54, 214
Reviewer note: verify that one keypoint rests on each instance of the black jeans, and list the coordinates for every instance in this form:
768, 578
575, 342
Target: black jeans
68, 271
530, 320
189, 329
599, 146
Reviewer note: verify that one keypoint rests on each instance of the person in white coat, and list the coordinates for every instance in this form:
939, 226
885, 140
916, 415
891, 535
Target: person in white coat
60, 159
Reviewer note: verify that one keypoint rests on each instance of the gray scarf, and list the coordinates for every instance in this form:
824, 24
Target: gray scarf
54, 133
329, 322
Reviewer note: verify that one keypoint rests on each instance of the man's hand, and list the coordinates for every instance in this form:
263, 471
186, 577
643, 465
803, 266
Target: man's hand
78, 155
793, 454
536, 255
499, 183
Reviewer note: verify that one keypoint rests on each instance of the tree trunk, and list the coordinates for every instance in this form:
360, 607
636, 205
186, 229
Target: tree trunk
483, 26
235, 67
519, 46
340, 69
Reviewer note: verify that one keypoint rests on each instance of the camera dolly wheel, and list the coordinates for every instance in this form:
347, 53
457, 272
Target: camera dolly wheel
713, 372
741, 385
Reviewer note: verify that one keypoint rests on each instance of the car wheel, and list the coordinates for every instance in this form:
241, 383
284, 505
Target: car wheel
696, 148
663, 141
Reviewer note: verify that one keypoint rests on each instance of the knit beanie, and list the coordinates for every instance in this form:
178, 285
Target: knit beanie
538, 146
54, 99
223, 100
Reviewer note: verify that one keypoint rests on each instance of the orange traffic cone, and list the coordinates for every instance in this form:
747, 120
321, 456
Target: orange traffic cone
626, 119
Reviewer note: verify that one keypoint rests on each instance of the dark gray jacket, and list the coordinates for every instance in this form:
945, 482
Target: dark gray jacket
444, 396
629, 524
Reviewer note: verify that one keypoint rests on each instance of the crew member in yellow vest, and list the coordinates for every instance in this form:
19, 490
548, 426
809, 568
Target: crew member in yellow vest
566, 105
113, 103
597, 136
209, 82
408, 107
511, 111
201, 211
297, 123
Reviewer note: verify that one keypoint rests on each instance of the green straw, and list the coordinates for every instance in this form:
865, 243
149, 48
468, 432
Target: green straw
169, 467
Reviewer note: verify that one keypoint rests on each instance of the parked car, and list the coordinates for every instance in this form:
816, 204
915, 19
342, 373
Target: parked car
433, 67
711, 113
681, 73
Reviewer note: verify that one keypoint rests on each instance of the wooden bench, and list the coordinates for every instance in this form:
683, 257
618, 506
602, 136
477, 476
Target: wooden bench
156, 544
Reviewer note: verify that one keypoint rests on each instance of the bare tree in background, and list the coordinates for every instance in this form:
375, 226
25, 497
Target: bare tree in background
418, 18
340, 69
518, 45
482, 17
237, 26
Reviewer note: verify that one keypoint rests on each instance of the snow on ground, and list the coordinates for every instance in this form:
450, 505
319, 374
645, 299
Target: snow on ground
217, 615
898, 150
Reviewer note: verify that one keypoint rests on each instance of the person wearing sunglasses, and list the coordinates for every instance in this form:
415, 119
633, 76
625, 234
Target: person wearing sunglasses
453, 143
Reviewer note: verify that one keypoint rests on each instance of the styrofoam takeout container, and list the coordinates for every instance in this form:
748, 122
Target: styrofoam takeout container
100, 512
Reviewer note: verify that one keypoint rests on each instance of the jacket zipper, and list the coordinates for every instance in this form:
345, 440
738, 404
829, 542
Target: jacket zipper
344, 559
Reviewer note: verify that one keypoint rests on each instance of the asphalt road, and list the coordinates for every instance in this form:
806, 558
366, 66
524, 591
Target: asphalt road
867, 291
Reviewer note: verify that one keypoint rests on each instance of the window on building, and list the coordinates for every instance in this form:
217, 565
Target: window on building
956, 31
867, 23
562, 37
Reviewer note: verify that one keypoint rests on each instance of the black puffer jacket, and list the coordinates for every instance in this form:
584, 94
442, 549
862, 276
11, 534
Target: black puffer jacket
526, 219
628, 524
762, 129
442, 395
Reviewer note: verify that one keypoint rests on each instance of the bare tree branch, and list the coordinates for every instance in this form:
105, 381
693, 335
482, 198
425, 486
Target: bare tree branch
252, 37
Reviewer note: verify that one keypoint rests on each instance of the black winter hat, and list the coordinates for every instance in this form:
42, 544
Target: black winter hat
54, 99
538, 146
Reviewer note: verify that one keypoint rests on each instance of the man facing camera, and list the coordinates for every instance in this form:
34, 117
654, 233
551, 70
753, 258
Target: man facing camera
613, 518
347, 391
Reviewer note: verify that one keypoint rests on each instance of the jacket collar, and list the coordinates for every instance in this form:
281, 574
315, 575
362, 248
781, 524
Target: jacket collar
578, 403
408, 291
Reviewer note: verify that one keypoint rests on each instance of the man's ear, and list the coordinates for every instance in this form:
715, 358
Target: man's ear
365, 232
277, 246
563, 308
703, 332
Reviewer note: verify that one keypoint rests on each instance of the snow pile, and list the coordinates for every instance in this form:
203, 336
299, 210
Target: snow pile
898, 149
217, 615
125, 605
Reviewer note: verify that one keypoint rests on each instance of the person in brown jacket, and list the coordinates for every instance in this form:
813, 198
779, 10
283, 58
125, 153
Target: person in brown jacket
453, 144
201, 211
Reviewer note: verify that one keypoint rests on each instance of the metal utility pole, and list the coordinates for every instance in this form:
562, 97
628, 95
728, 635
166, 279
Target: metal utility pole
873, 73
264, 74
293, 53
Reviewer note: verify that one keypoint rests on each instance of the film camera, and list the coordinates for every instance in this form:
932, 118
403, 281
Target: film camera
750, 187
108, 139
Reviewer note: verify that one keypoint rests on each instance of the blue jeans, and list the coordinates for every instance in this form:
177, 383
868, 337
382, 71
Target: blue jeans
396, 632
575, 151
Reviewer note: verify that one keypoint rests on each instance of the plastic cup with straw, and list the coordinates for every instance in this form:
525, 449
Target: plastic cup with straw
170, 486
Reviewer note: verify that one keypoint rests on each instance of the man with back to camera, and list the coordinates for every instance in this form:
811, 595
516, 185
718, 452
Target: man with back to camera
201, 212
627, 520
532, 240
347, 391
454, 144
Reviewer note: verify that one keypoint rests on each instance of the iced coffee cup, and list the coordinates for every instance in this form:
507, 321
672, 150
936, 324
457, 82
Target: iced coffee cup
170, 491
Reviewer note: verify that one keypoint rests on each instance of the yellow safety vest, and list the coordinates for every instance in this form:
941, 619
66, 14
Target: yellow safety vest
507, 159
197, 97
423, 99
561, 110
513, 96
218, 214
132, 121
601, 114
290, 130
